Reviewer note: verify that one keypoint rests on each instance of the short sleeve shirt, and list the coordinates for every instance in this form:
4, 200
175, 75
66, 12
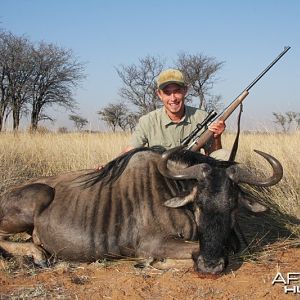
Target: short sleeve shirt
156, 128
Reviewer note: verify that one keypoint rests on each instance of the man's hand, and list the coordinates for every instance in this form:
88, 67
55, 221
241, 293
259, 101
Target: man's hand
99, 167
217, 128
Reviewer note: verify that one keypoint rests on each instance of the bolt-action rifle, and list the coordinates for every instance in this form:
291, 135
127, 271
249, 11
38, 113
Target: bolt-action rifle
200, 141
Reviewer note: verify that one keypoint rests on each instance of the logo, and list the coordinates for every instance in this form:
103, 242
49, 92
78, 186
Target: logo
290, 282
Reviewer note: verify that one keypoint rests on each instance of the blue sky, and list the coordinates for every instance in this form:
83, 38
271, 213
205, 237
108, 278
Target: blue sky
246, 35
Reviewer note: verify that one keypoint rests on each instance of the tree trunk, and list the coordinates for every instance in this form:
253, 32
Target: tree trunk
34, 119
16, 119
2, 113
1, 122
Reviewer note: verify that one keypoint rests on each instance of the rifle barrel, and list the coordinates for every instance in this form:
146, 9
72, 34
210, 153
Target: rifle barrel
286, 49
233, 105
202, 140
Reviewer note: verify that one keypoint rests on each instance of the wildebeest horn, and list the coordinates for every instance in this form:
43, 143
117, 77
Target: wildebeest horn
198, 172
240, 175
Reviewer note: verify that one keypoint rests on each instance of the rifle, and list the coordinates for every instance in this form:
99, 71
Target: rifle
198, 128
201, 140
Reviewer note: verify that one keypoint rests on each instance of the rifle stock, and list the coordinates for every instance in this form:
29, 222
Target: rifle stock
204, 138
207, 135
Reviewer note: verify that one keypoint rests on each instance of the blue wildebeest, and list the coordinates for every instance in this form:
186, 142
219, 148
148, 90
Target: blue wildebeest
145, 203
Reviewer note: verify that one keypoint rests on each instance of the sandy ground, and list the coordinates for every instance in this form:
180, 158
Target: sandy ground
121, 280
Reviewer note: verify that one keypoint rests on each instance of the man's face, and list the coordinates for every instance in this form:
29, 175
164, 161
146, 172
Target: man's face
172, 97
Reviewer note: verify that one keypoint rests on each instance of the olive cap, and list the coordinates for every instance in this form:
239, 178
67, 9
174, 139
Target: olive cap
170, 76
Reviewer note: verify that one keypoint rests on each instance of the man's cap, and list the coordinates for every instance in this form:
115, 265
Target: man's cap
170, 76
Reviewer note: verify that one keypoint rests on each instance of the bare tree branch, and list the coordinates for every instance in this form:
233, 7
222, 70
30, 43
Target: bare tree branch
139, 86
56, 73
200, 72
287, 119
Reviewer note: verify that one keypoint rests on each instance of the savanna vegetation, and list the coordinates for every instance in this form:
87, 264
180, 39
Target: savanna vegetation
24, 156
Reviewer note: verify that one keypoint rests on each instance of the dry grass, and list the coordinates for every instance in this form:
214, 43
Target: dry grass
283, 197
25, 156
279, 227
38, 291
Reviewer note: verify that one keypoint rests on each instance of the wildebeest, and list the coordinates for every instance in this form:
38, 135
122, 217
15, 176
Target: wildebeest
145, 203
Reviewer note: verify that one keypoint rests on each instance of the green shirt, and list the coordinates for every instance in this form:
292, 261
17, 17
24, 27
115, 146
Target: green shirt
156, 128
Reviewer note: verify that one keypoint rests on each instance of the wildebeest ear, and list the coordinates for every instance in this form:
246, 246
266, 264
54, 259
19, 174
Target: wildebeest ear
182, 200
250, 204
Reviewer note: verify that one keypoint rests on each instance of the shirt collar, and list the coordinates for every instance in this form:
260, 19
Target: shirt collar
167, 121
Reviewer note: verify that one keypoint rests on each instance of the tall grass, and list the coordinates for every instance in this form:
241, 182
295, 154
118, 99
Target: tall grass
286, 148
24, 156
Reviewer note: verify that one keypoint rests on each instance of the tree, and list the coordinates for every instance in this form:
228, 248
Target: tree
285, 120
214, 103
20, 69
33, 78
4, 99
200, 73
56, 73
298, 121
291, 116
114, 115
16, 69
131, 119
281, 120
139, 86
79, 122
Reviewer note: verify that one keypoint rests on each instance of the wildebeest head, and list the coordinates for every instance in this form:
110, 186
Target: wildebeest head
214, 200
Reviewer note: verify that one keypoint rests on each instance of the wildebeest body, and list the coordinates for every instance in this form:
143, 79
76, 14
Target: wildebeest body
142, 204
120, 218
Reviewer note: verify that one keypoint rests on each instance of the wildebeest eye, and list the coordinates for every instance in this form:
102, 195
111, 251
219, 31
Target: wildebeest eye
206, 170
231, 172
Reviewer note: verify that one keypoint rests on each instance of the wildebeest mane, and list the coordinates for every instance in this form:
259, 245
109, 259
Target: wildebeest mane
113, 169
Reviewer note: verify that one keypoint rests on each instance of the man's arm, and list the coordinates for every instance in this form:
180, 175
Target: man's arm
139, 136
217, 128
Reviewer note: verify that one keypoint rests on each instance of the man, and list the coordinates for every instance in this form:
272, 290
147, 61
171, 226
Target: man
168, 125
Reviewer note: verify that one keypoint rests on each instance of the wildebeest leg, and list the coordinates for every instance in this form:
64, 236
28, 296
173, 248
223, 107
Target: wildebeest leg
18, 209
172, 248
170, 253
24, 249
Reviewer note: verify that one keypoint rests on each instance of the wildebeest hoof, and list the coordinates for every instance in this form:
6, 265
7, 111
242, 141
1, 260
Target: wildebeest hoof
42, 264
